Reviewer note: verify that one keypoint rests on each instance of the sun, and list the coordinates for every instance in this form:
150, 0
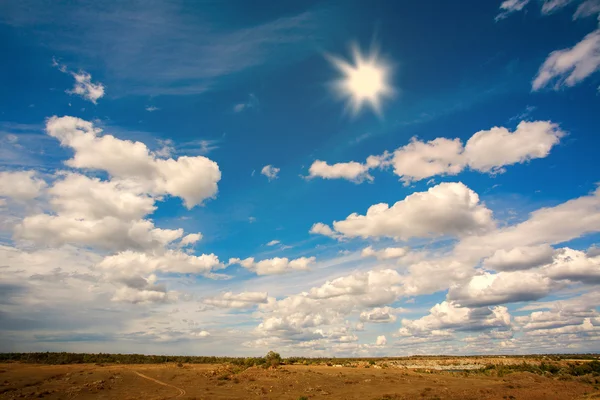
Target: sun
365, 82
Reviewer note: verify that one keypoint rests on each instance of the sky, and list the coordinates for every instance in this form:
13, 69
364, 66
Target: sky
318, 178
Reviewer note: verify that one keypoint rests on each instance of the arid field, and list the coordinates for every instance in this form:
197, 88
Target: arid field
422, 378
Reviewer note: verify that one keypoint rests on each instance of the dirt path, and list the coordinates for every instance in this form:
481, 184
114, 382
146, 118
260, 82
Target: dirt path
181, 391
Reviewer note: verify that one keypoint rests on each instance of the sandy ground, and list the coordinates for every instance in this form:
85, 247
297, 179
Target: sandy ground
196, 381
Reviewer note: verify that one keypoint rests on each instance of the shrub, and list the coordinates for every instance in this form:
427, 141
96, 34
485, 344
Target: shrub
272, 359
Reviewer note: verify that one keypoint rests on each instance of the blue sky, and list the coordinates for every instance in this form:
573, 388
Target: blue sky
192, 175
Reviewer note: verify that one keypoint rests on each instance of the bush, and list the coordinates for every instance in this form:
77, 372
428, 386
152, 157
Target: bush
272, 359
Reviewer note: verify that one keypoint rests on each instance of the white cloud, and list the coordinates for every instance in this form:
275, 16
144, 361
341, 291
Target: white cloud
379, 315
273, 243
550, 6
490, 150
85, 88
352, 171
237, 300
320, 228
551, 225
381, 341
510, 6
520, 258
193, 179
445, 209
21, 185
449, 316
152, 108
82, 197
587, 9
386, 253
135, 296
251, 103
570, 66
501, 288
574, 265
486, 151
270, 172
170, 261
275, 265
190, 239
418, 160
107, 233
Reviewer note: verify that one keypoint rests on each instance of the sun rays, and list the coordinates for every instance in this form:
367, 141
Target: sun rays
364, 82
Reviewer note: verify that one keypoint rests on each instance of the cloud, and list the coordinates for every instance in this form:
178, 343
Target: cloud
574, 265
252, 102
446, 209
85, 88
449, 316
190, 239
170, 261
487, 151
152, 108
549, 225
510, 6
21, 185
381, 341
550, 6
275, 265
569, 67
320, 228
379, 315
194, 179
587, 9
490, 150
270, 172
520, 258
273, 243
501, 288
237, 300
385, 254
108, 233
134, 296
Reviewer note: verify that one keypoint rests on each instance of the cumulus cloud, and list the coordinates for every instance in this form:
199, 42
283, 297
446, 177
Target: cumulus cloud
194, 179
320, 228
492, 149
85, 88
108, 233
549, 225
570, 66
237, 300
504, 287
446, 209
487, 151
520, 258
275, 265
135, 296
21, 185
449, 316
386, 253
574, 265
379, 315
270, 172
190, 239
170, 261
510, 6
418, 160
381, 341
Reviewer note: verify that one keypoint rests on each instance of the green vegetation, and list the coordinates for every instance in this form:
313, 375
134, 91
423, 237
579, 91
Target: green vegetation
546, 368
